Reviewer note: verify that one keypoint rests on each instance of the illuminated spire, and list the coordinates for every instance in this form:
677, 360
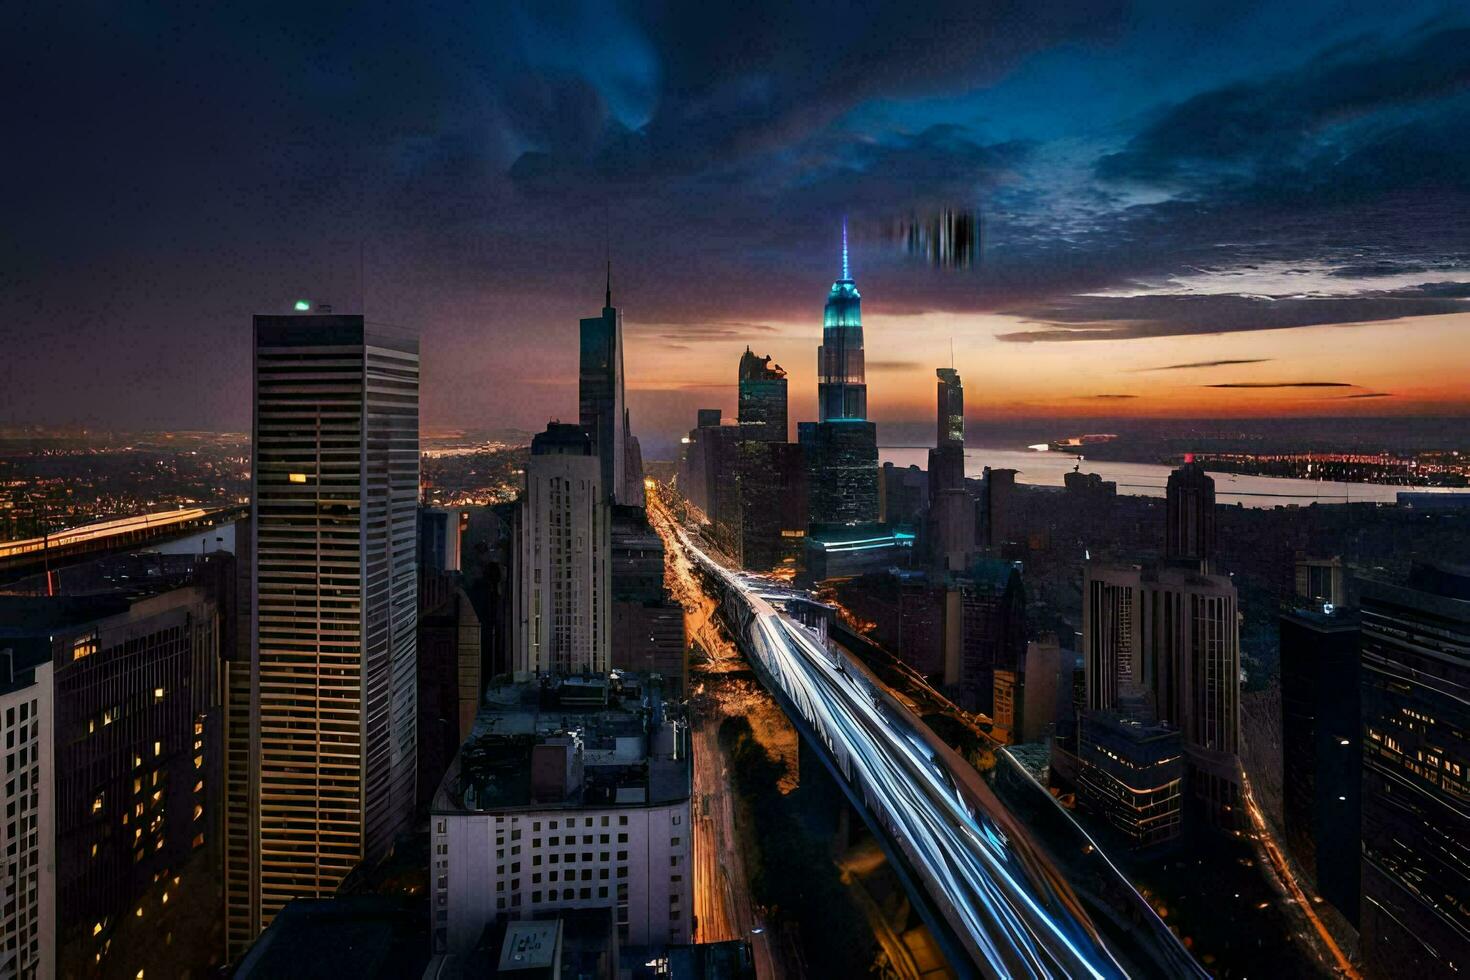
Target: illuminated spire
845, 274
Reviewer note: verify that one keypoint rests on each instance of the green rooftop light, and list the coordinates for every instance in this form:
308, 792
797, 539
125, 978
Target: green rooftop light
303, 305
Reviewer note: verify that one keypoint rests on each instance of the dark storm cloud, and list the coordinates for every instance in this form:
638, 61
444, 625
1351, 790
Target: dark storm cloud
464, 169
1343, 121
1282, 384
1204, 364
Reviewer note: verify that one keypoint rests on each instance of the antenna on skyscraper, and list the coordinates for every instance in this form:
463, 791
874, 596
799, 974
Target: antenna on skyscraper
845, 274
607, 247
951, 353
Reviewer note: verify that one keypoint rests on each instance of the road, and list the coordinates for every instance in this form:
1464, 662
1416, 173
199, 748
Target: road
1009, 907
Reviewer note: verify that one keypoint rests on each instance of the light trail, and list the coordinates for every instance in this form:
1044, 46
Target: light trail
1004, 900
105, 529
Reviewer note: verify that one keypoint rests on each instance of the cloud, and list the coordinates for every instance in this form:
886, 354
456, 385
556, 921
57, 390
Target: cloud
1353, 108
1282, 384
880, 365
1204, 364
1151, 315
1109, 397
1371, 394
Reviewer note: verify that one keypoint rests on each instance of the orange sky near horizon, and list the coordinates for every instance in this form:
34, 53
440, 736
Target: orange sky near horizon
1411, 366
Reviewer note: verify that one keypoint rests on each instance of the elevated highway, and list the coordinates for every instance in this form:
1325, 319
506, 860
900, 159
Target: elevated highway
992, 897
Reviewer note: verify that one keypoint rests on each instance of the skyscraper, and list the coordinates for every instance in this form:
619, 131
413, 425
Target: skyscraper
1168, 638
563, 546
1189, 532
951, 511
603, 411
842, 447
335, 491
771, 472
1321, 757
842, 390
762, 399
1415, 675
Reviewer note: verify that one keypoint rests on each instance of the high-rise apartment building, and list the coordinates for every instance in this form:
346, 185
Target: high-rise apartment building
603, 411
335, 492
1189, 531
562, 576
1415, 673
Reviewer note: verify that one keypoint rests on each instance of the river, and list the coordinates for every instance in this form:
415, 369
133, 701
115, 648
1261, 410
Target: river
1149, 479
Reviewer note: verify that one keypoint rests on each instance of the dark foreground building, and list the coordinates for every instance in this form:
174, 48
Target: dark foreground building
1415, 912
128, 781
1321, 755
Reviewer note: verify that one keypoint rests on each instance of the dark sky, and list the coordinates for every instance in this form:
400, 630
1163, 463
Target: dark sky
1187, 206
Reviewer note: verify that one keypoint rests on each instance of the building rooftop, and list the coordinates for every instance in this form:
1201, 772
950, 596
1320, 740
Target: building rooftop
348, 936
578, 742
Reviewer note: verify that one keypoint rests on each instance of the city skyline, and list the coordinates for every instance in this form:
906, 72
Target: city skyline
1304, 256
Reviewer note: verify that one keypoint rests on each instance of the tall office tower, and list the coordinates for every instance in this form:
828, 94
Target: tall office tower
773, 504
951, 511
335, 493
842, 447
28, 833
1168, 638
600, 396
1415, 911
1321, 754
1110, 639
562, 576
448, 678
1191, 671
762, 399
647, 622
1190, 529
947, 458
985, 630
997, 507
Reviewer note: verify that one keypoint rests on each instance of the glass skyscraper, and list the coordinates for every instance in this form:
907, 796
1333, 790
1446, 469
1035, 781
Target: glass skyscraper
334, 488
602, 408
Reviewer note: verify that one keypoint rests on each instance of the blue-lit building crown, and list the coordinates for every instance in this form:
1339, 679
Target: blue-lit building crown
842, 391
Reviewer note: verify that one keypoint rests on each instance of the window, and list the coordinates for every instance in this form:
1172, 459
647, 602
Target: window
586, 893
602, 892
602, 839
622, 855
622, 838
622, 821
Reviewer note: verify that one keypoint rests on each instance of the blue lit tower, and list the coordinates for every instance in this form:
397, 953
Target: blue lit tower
842, 390
842, 448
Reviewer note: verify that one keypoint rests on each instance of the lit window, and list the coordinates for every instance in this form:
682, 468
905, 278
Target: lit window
298, 477
158, 694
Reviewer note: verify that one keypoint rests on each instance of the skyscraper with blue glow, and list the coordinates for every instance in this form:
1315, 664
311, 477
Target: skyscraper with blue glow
842, 390
842, 448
